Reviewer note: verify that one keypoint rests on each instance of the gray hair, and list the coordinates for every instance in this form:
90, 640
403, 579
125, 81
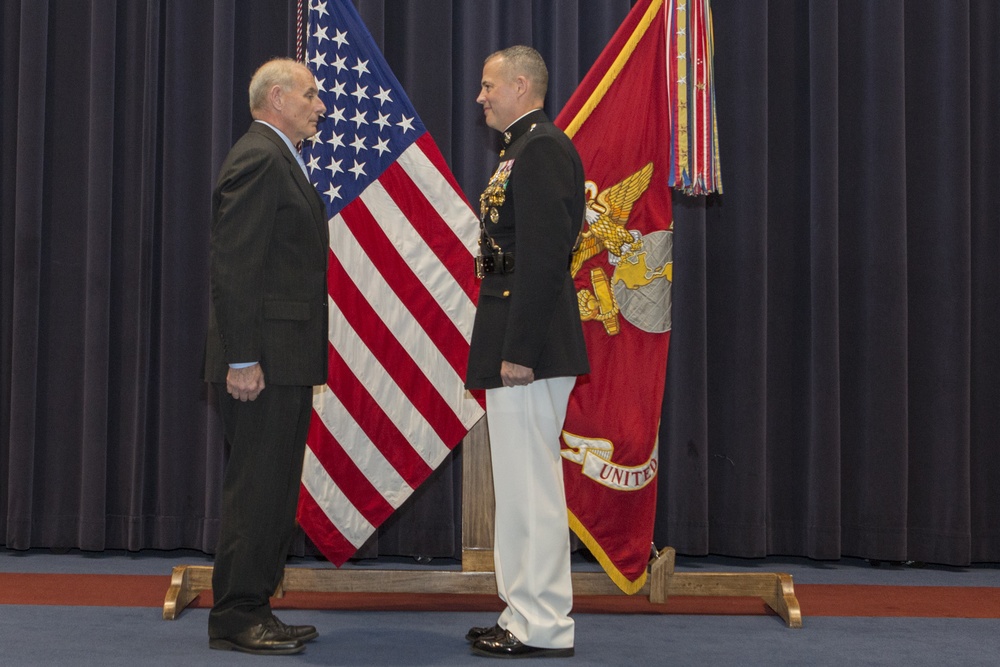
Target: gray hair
275, 72
518, 60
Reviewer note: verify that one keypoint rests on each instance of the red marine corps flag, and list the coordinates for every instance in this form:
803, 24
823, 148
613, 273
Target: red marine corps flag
643, 122
402, 293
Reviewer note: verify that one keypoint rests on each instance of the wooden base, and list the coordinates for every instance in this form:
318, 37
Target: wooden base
774, 589
477, 563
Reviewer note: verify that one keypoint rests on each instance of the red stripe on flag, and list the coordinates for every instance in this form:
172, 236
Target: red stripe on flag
322, 532
349, 478
395, 271
430, 150
424, 309
439, 236
375, 422
369, 326
426, 221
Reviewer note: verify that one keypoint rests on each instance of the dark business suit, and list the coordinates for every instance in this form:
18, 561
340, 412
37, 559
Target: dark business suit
269, 247
527, 314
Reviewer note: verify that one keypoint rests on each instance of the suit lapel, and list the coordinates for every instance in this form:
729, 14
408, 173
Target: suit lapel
307, 189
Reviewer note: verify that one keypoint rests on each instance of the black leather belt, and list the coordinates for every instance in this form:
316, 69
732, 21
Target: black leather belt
501, 262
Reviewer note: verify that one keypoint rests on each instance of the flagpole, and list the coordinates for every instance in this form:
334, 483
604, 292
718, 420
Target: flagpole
300, 21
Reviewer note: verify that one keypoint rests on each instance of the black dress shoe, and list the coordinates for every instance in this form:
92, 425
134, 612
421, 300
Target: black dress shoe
506, 645
483, 633
304, 633
260, 639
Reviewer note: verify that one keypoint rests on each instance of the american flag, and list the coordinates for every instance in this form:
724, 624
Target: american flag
401, 287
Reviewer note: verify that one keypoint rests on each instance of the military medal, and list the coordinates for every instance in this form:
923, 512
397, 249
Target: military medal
495, 193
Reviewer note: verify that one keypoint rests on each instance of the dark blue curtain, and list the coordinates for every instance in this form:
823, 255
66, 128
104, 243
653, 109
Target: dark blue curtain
834, 372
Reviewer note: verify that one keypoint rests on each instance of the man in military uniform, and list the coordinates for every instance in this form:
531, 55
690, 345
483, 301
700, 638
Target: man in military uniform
527, 349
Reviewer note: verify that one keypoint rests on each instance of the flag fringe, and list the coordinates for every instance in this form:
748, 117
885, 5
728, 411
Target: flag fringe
626, 585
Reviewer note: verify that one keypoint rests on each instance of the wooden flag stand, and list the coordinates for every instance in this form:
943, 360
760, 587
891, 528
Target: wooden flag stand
476, 576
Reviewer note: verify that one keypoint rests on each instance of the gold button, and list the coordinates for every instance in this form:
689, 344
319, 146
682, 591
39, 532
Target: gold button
506, 292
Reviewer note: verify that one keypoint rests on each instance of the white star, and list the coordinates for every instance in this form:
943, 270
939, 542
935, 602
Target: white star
316, 138
321, 8
406, 124
383, 95
382, 146
313, 163
320, 85
361, 93
338, 89
682, 81
332, 192
358, 170
358, 144
337, 141
360, 118
682, 56
341, 39
320, 33
340, 63
334, 167
319, 59
361, 67
383, 120
337, 116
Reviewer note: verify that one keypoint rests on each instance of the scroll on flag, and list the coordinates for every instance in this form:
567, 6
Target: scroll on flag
401, 288
620, 122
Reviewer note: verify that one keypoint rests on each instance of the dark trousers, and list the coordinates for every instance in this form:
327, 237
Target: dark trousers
260, 493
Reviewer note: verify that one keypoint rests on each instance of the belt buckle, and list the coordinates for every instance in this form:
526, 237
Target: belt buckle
484, 265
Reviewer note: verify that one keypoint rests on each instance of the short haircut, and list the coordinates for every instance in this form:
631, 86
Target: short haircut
275, 72
518, 60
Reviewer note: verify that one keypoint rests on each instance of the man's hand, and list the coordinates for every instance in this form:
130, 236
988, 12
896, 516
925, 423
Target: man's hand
514, 375
245, 384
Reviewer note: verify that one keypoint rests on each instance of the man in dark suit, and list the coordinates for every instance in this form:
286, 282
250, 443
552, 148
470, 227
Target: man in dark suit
266, 349
527, 349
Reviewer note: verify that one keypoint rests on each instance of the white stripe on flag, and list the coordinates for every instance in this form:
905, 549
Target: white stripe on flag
366, 367
328, 496
360, 449
436, 278
450, 206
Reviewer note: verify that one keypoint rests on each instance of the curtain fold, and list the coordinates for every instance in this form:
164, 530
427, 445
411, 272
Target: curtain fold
849, 264
834, 372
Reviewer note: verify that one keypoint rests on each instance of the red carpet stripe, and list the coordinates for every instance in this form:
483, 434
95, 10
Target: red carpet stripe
817, 600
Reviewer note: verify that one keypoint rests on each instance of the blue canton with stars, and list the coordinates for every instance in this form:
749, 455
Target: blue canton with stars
369, 120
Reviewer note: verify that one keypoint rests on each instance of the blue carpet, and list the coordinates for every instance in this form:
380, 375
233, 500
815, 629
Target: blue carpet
34, 635
58, 635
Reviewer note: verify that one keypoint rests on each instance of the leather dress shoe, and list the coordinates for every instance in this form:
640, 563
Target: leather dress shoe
483, 633
260, 639
506, 645
304, 633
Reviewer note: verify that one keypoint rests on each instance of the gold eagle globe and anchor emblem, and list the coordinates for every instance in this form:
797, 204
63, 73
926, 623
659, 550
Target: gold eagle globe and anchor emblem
638, 290
639, 286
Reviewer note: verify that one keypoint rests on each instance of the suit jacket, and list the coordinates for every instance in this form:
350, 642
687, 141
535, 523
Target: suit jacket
269, 249
530, 316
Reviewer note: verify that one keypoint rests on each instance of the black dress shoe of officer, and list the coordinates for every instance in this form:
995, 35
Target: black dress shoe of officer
483, 633
304, 633
260, 639
507, 645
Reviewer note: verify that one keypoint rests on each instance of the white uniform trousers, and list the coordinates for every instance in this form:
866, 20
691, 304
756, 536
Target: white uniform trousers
531, 538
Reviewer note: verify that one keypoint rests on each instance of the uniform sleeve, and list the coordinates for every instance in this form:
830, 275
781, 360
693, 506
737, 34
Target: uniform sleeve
544, 192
